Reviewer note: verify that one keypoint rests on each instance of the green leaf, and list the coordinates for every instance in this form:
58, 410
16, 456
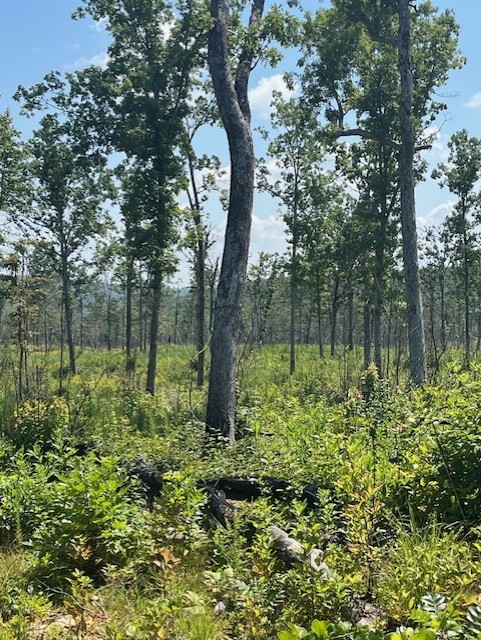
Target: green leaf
320, 628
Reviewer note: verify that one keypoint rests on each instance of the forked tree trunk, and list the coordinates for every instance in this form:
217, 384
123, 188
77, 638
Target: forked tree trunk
417, 351
232, 99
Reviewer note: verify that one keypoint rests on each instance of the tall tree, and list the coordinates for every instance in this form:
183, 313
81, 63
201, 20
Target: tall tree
232, 98
136, 105
460, 174
342, 63
71, 187
297, 154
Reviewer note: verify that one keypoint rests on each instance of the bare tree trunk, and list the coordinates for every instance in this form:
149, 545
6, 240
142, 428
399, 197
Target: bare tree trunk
292, 334
128, 310
443, 312
367, 334
109, 319
467, 327
334, 310
67, 303
154, 329
408, 211
350, 315
232, 99
199, 269
319, 313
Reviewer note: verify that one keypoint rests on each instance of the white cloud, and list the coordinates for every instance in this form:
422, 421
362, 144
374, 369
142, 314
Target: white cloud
99, 25
268, 234
260, 97
475, 101
98, 60
437, 214
439, 151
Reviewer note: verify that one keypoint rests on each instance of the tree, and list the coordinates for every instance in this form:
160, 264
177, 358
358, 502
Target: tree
14, 177
154, 51
136, 106
297, 154
202, 172
460, 174
408, 206
232, 99
340, 60
70, 188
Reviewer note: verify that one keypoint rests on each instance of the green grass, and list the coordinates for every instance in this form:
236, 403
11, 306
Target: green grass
384, 456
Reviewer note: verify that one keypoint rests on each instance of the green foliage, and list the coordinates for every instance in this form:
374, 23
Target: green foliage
40, 424
432, 559
91, 522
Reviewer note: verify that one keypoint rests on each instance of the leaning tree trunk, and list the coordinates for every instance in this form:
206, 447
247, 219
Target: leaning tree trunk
415, 321
232, 99
154, 329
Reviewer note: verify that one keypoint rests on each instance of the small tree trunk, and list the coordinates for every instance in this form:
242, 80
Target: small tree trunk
350, 316
154, 329
319, 313
467, 327
443, 312
128, 310
292, 334
109, 322
334, 310
67, 303
367, 334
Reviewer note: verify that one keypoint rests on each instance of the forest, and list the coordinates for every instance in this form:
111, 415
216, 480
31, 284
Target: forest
201, 444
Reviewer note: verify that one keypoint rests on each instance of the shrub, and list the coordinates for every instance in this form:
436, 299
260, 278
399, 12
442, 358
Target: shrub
91, 522
39, 424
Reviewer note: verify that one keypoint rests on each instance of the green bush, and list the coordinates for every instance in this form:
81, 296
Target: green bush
39, 424
91, 522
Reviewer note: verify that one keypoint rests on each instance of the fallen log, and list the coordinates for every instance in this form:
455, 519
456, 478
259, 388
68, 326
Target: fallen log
291, 551
221, 510
253, 488
233, 488
287, 549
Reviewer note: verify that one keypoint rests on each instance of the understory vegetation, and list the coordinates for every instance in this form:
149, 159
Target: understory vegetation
87, 554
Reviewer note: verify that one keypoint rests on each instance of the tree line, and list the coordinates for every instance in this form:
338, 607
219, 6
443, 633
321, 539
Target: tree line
347, 150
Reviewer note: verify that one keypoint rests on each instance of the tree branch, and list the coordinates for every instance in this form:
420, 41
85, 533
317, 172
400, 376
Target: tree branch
367, 135
245, 60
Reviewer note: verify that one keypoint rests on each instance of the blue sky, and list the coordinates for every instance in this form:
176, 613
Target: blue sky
37, 37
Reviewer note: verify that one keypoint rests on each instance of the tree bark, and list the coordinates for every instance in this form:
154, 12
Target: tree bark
67, 304
367, 334
415, 320
128, 310
293, 301
232, 99
319, 313
334, 310
467, 320
350, 315
154, 329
